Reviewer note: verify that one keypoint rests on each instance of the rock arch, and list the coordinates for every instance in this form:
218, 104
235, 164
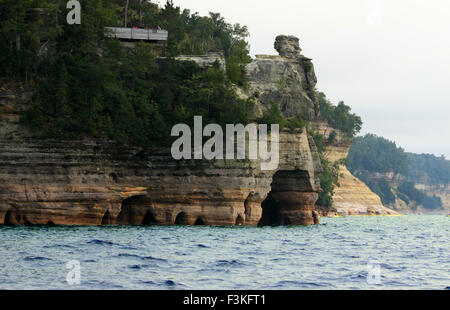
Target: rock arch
199, 221
182, 219
131, 210
11, 218
291, 200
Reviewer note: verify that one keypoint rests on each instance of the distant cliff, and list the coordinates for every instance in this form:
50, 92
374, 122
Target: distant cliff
406, 182
351, 196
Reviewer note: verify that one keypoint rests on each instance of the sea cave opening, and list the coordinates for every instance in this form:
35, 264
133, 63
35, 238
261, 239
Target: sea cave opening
11, 218
130, 209
199, 222
182, 219
270, 213
7, 220
239, 220
149, 219
106, 220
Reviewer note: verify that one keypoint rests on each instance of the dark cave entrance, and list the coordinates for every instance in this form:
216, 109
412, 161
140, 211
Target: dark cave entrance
270, 214
182, 219
28, 223
247, 204
114, 177
11, 218
285, 184
149, 219
106, 220
239, 220
199, 222
7, 220
131, 208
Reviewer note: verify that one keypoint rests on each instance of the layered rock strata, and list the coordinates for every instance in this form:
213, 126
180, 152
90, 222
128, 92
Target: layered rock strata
88, 183
287, 79
351, 196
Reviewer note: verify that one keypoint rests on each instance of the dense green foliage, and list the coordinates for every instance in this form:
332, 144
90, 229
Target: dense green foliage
435, 170
408, 189
330, 173
372, 154
413, 194
296, 122
274, 116
431, 203
131, 99
376, 154
340, 116
193, 34
92, 86
29, 27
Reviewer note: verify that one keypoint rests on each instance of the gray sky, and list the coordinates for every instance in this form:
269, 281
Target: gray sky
388, 60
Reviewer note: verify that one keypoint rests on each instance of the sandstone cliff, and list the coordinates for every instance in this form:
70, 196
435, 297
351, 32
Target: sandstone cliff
352, 196
410, 207
89, 183
93, 183
439, 190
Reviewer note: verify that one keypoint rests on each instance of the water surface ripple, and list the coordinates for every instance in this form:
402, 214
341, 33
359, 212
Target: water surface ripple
413, 253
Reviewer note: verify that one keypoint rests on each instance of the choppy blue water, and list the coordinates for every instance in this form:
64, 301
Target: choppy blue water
413, 253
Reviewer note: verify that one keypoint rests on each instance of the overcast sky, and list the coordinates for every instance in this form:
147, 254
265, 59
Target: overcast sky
389, 60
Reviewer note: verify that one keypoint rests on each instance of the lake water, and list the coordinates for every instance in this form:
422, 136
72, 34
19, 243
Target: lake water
411, 252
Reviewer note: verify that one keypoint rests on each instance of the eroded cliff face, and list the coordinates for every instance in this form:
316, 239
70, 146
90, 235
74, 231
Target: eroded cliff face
205, 61
410, 207
95, 183
352, 196
88, 183
440, 190
287, 79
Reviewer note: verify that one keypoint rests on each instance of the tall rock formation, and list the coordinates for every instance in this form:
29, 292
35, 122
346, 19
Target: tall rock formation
287, 79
